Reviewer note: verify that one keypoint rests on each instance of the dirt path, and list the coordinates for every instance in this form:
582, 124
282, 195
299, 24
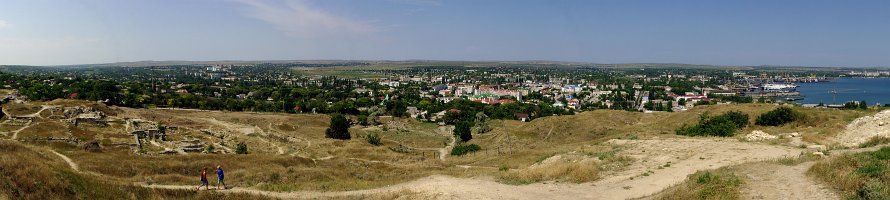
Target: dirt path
446, 130
777, 181
67, 160
15, 133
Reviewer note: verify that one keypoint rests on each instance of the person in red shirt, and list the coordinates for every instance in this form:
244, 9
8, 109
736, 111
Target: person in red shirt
204, 181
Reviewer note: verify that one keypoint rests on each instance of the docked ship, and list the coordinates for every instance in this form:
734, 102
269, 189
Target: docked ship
778, 86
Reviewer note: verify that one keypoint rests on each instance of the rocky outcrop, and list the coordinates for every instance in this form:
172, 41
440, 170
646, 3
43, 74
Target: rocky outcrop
864, 128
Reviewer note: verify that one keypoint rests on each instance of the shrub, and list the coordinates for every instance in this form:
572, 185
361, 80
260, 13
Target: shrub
462, 149
210, 148
373, 139
241, 148
722, 125
778, 117
339, 128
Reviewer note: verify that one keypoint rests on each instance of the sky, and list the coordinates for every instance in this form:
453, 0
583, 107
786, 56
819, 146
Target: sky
750, 32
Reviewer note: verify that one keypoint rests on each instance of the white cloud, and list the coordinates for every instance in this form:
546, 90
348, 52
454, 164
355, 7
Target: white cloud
299, 18
3, 24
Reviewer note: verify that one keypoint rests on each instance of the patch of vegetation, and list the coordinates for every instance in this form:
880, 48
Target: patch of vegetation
241, 148
803, 157
576, 172
461, 149
373, 139
856, 105
724, 125
714, 184
778, 117
875, 141
339, 128
858, 176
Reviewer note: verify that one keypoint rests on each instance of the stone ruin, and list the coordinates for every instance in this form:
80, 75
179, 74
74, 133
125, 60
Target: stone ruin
146, 130
20, 120
191, 145
80, 115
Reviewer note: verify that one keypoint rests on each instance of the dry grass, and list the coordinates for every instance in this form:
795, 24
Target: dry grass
45, 129
17, 109
267, 172
576, 172
711, 184
355, 164
875, 141
29, 174
401, 194
858, 176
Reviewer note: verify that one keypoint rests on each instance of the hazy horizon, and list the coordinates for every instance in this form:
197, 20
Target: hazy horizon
749, 33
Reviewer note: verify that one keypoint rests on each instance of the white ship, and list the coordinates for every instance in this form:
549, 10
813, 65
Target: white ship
778, 86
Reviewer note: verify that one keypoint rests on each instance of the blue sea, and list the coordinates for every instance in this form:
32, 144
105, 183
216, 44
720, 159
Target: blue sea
872, 90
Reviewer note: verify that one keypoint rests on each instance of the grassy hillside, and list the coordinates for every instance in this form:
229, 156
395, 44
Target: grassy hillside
30, 174
858, 176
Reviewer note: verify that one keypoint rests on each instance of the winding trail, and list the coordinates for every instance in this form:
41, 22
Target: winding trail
67, 160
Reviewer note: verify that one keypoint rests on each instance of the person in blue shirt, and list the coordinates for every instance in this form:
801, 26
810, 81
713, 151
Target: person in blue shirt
219, 178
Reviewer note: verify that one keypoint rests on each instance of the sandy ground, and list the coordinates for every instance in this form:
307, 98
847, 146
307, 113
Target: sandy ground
776, 181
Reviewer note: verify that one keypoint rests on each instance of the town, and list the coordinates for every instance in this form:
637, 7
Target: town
422, 90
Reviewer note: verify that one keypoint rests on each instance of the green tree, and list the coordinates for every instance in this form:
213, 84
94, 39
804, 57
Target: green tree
339, 128
462, 131
482, 123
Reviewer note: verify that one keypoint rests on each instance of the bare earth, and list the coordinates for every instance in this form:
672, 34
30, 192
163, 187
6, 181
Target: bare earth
776, 181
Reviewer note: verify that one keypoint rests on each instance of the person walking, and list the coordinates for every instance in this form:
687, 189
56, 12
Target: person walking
220, 175
204, 181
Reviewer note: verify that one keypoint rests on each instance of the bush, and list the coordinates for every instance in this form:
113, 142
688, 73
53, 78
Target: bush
462, 149
373, 139
723, 125
241, 148
339, 128
210, 148
778, 117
